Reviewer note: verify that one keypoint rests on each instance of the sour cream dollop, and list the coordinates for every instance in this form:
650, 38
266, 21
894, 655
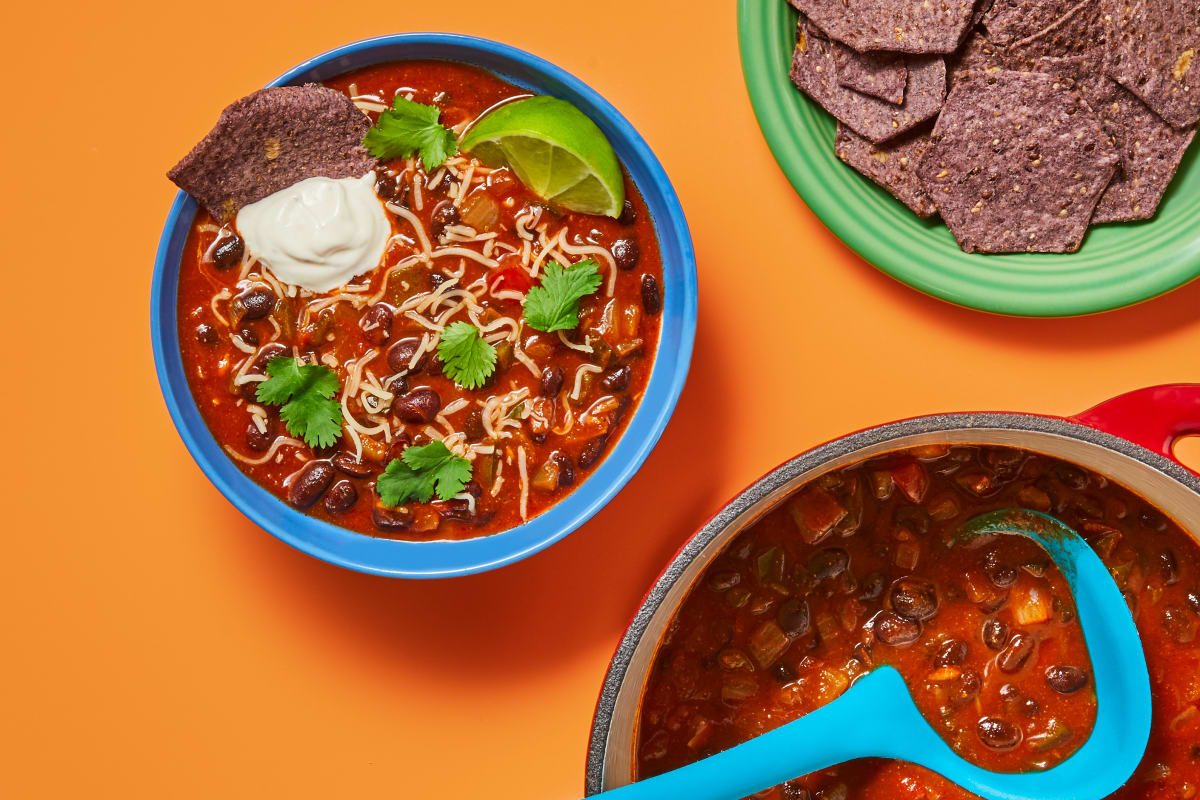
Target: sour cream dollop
319, 233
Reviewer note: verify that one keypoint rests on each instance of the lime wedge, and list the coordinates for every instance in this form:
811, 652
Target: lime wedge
555, 150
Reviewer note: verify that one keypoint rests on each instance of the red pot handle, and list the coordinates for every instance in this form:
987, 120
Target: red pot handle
1156, 418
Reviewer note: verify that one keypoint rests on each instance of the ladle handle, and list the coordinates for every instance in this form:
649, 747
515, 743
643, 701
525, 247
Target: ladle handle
845, 729
1156, 417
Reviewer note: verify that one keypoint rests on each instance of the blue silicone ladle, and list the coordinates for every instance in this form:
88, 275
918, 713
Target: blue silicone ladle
877, 716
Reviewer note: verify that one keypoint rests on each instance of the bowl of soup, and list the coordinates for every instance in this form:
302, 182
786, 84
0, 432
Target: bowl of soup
844, 559
563, 419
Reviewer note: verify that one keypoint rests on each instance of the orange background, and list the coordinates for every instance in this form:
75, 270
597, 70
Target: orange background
156, 644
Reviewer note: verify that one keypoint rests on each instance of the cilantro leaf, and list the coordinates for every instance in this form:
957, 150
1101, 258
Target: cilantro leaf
554, 305
466, 358
407, 127
420, 472
305, 394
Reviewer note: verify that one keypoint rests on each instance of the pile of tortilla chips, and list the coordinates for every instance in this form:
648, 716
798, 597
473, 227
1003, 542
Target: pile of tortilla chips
1020, 122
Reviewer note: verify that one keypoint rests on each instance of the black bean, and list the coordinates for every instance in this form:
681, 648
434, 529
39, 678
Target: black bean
257, 440
995, 633
783, 673
228, 251
268, 352
400, 355
628, 213
951, 653
998, 734
617, 380
1168, 567
446, 213
592, 451
1193, 601
420, 405
386, 186
651, 296
398, 385
308, 486
352, 466
794, 617
828, 563
397, 447
552, 380
1152, 520
391, 519
914, 598
872, 587
473, 426
566, 470
377, 324
1001, 576
249, 336
895, 630
257, 303
626, 253
340, 497
206, 334
1180, 627
1065, 679
1072, 476
964, 688
457, 510
1015, 653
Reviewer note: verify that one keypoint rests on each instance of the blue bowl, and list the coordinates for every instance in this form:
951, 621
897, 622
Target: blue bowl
434, 559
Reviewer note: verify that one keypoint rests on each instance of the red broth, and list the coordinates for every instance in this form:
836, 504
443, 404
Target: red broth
858, 568
565, 399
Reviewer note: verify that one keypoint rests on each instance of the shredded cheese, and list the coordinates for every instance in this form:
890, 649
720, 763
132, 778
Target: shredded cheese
524, 482
280, 441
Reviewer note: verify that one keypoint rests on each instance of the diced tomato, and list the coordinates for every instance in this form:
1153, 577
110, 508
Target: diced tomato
513, 279
912, 480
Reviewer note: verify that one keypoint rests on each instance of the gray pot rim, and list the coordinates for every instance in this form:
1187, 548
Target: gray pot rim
811, 459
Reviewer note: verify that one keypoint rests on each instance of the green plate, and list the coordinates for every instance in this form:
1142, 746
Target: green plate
1118, 264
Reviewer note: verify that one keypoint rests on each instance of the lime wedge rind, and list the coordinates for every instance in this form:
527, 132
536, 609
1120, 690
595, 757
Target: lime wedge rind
555, 150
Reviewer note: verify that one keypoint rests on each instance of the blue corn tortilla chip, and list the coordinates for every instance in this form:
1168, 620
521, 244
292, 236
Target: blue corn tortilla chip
1009, 21
978, 54
1084, 27
1156, 55
1017, 163
1150, 150
814, 71
903, 26
892, 165
878, 74
270, 140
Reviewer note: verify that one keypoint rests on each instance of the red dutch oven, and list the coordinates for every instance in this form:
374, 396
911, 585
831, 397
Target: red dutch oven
1128, 439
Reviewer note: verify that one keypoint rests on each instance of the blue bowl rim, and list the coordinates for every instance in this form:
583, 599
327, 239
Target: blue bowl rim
445, 558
